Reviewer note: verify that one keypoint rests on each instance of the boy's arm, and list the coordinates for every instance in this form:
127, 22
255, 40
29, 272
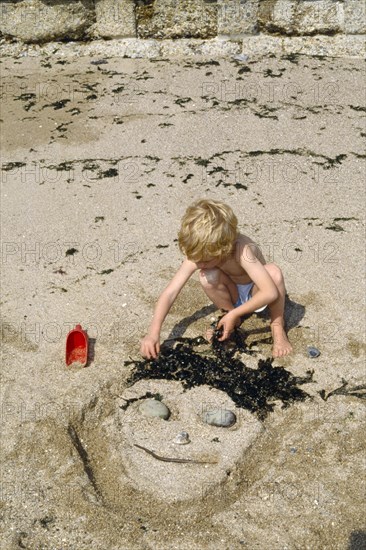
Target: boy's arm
169, 295
267, 290
150, 344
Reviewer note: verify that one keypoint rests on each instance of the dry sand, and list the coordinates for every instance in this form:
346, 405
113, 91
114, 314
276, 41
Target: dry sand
98, 166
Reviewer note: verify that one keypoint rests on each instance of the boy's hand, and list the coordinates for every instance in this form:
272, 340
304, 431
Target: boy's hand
150, 347
228, 322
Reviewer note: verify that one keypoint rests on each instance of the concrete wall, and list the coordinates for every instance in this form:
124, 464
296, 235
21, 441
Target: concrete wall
40, 21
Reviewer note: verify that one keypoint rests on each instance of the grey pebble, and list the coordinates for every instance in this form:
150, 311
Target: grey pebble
313, 352
154, 408
219, 417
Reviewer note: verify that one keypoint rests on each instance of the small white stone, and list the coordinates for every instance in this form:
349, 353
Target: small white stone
182, 438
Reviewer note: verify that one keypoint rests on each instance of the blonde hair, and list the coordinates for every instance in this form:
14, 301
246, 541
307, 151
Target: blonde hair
208, 231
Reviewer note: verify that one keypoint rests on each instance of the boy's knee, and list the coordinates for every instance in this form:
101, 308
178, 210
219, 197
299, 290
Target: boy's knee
275, 273
209, 277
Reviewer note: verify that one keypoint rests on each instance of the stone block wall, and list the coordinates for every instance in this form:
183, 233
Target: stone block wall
310, 17
40, 21
43, 21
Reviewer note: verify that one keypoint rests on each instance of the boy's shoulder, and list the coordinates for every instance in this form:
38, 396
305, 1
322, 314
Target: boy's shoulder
245, 246
186, 269
243, 240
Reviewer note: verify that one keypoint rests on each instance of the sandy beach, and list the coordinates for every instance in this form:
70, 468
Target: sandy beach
99, 162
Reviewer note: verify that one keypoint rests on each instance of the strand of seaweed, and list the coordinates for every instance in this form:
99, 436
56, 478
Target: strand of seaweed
355, 391
179, 460
251, 389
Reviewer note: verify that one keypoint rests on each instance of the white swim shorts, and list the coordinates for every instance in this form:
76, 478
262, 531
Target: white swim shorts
245, 295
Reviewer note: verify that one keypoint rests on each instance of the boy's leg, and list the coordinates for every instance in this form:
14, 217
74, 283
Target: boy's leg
221, 290
218, 286
281, 345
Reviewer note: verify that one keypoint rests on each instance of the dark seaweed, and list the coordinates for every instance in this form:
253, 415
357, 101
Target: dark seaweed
71, 251
187, 178
74, 111
11, 165
202, 162
252, 389
152, 158
237, 185
111, 173
293, 57
269, 72
244, 70
180, 101
25, 97
57, 104
45, 521
147, 395
205, 63
118, 90
98, 61
356, 391
358, 108
63, 166
335, 227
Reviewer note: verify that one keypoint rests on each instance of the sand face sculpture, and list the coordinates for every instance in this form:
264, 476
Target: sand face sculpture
154, 461
213, 397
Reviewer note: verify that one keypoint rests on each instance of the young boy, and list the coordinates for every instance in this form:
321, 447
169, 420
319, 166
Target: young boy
233, 274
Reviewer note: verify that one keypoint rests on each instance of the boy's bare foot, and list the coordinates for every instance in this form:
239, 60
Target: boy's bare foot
281, 345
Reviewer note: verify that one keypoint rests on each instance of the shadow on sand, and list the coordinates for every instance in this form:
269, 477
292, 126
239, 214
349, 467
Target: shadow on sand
357, 540
294, 313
